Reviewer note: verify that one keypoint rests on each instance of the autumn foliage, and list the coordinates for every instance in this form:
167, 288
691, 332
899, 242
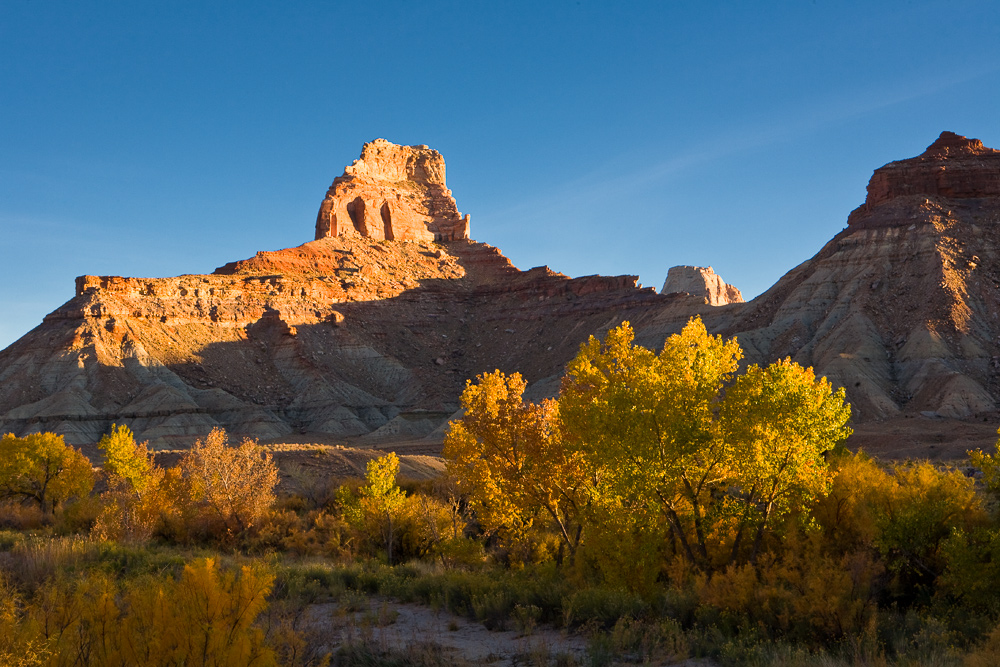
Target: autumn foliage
508, 456
206, 617
652, 455
672, 498
41, 468
234, 484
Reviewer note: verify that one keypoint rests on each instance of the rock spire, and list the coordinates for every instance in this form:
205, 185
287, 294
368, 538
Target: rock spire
395, 193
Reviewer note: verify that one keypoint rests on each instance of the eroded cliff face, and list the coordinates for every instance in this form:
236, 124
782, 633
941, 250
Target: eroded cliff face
393, 193
901, 307
344, 339
953, 167
368, 337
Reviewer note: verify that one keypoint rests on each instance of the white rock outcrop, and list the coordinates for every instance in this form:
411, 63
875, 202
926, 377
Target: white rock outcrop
701, 281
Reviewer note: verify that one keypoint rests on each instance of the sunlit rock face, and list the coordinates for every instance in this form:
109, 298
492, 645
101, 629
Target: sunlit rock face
368, 334
394, 193
703, 282
953, 167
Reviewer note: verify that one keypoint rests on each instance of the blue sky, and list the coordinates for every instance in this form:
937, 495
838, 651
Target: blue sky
155, 139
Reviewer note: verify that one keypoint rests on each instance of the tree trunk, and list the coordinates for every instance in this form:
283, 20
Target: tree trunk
388, 544
675, 525
760, 533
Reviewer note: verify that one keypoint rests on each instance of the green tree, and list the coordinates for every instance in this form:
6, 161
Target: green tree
509, 458
646, 422
381, 499
42, 468
779, 421
125, 458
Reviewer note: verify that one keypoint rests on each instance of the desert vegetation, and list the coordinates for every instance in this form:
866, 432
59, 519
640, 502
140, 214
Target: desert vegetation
666, 505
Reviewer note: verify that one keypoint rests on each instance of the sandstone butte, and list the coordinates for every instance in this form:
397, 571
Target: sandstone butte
366, 335
393, 193
701, 281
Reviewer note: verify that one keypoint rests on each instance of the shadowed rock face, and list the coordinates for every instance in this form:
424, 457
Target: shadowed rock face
370, 336
393, 193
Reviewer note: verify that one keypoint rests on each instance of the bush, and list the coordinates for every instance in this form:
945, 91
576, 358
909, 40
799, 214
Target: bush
806, 595
904, 513
204, 617
972, 569
986, 654
234, 485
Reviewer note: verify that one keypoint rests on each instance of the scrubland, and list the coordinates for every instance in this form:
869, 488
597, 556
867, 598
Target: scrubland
667, 507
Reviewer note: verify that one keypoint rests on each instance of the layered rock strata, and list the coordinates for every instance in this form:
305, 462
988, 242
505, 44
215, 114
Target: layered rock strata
344, 337
953, 167
702, 282
359, 337
903, 306
393, 193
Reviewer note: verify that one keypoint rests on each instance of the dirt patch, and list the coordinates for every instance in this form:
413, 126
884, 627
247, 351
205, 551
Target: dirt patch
387, 625
922, 437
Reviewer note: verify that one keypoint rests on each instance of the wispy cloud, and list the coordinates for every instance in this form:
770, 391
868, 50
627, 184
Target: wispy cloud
597, 187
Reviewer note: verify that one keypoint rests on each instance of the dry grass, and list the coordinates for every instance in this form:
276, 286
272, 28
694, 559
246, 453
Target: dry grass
35, 559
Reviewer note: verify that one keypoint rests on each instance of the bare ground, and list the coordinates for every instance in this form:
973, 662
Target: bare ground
389, 626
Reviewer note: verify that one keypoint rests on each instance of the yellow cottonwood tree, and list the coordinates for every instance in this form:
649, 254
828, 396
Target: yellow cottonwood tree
381, 499
646, 422
779, 421
508, 456
42, 468
136, 498
125, 458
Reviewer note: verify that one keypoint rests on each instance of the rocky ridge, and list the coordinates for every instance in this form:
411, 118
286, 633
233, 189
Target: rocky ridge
368, 334
901, 307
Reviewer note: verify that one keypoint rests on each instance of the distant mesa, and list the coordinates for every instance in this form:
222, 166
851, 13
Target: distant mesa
393, 193
902, 307
701, 281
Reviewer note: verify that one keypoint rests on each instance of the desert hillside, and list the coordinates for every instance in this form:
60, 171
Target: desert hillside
367, 334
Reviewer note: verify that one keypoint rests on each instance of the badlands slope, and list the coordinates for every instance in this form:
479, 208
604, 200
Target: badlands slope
367, 334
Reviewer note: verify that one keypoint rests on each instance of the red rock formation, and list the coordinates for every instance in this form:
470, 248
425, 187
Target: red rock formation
953, 167
902, 308
701, 282
338, 338
354, 337
393, 193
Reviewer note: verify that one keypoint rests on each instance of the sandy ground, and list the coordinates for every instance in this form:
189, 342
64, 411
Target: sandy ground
388, 624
